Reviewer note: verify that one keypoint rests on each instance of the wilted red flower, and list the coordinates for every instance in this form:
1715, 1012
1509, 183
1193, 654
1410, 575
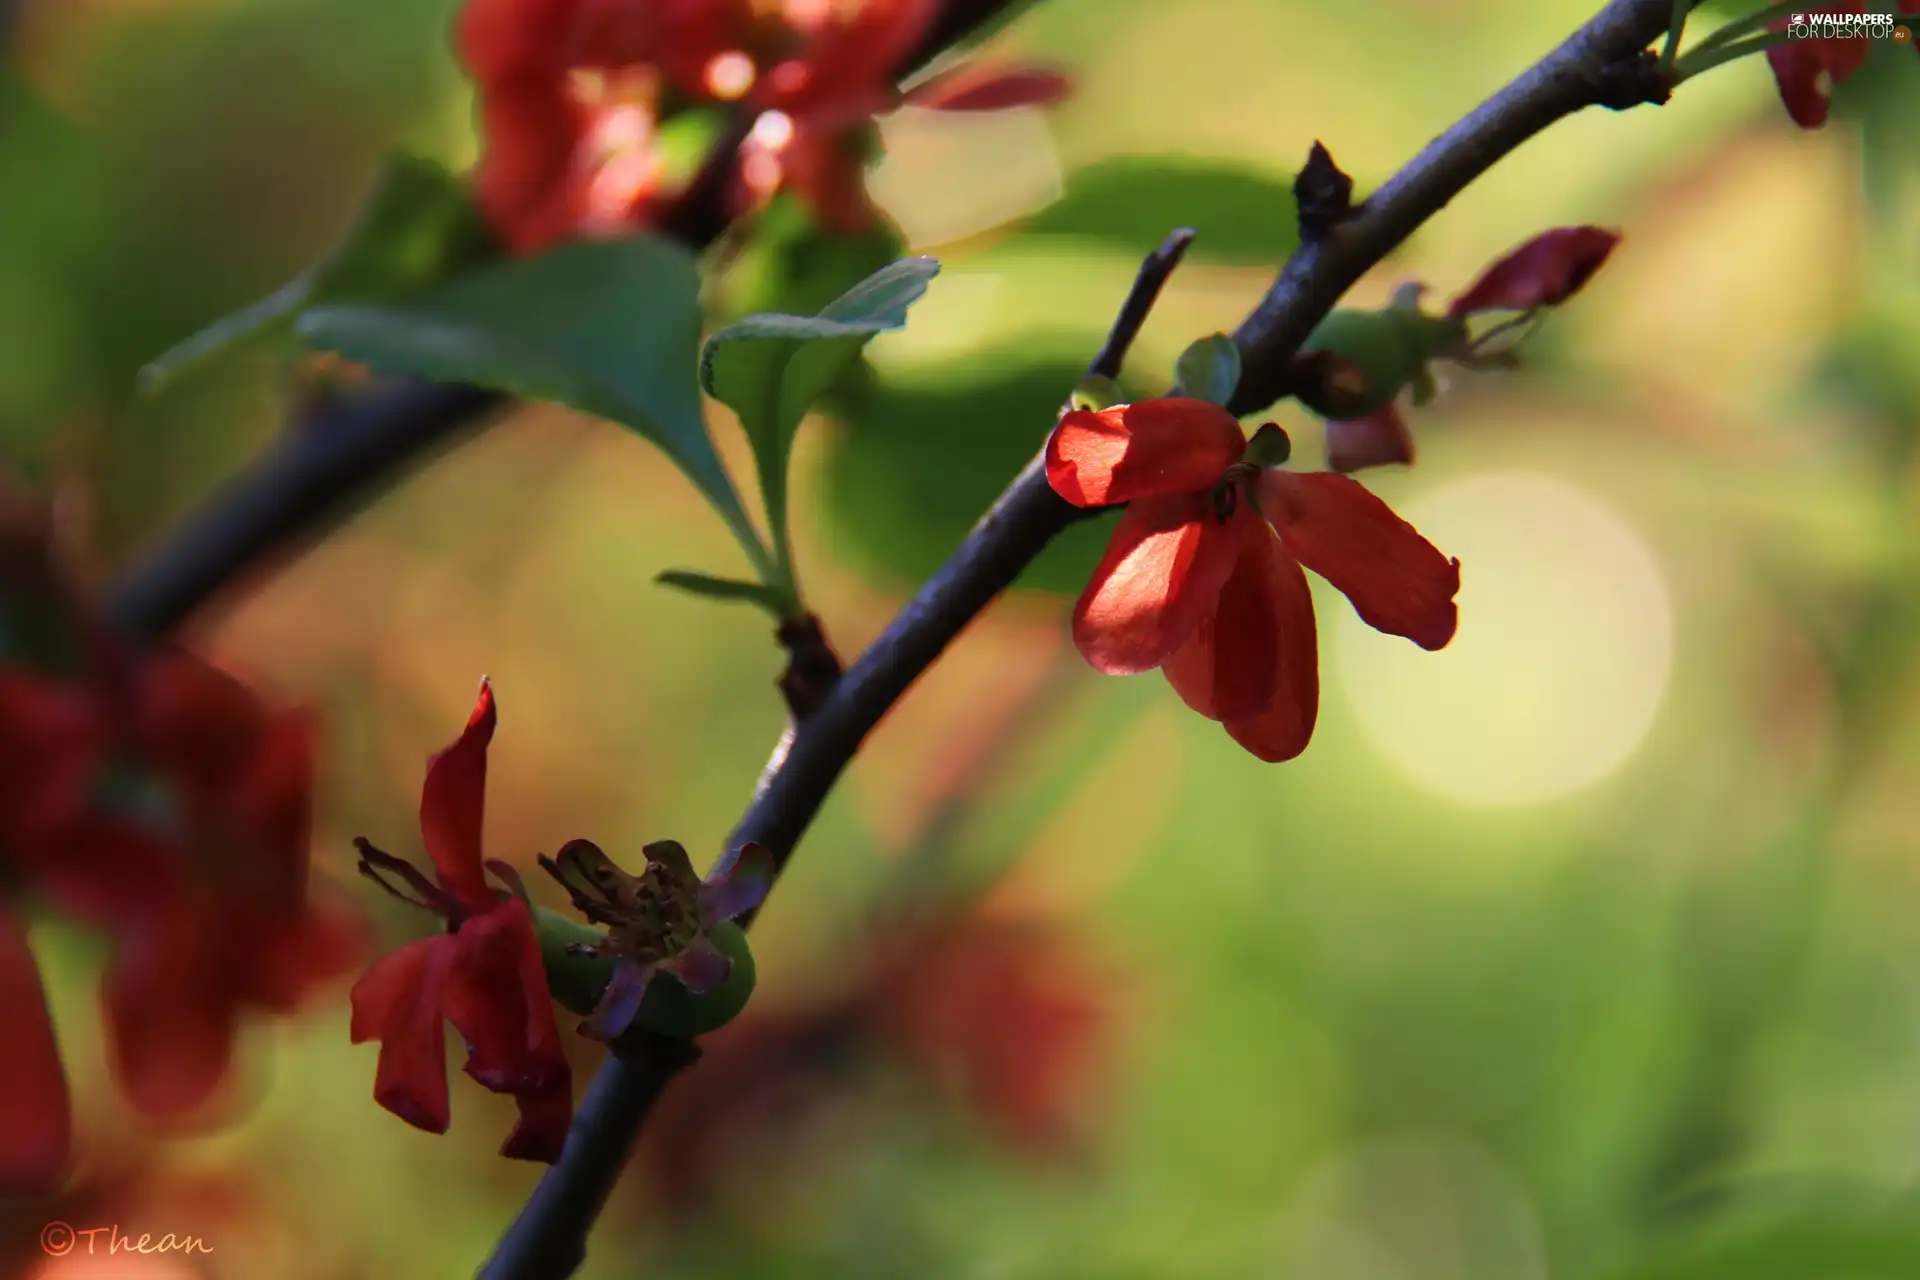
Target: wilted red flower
1378, 439
484, 974
660, 921
1543, 272
1807, 70
1008, 1013
1203, 576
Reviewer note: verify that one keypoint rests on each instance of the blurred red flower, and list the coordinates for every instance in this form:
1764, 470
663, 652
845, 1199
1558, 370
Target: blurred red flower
572, 94
1203, 576
150, 795
484, 974
1009, 1018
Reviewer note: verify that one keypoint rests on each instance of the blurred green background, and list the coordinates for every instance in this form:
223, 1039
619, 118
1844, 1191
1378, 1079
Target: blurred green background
1588, 947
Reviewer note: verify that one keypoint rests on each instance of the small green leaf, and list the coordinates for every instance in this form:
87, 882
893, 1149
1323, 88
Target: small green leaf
418, 225
771, 368
1129, 203
730, 589
1210, 369
610, 328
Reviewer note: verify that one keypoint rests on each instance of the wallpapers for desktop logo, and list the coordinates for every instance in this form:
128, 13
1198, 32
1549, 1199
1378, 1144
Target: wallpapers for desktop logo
1846, 26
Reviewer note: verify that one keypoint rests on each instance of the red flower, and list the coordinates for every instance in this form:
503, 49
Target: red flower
1009, 1014
816, 106
1543, 272
1807, 70
567, 104
232, 927
1203, 576
484, 975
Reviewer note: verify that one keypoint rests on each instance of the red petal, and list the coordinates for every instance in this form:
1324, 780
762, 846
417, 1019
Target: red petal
1807, 70
49, 742
1147, 450
497, 39
1282, 730
984, 85
170, 1008
322, 943
1398, 582
525, 180
1543, 272
398, 1003
1245, 655
452, 802
1378, 440
1162, 574
850, 68
106, 871
497, 998
36, 1122
541, 1132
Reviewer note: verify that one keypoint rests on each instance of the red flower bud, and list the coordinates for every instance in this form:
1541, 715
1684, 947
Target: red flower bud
1543, 272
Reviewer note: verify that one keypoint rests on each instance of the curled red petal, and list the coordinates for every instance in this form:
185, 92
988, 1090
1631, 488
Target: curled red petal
1378, 440
398, 1002
1161, 575
1146, 450
497, 998
452, 803
107, 871
1398, 582
992, 85
36, 1120
1543, 272
1807, 70
541, 1132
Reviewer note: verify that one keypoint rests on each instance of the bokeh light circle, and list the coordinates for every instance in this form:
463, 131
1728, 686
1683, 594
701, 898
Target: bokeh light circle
1562, 658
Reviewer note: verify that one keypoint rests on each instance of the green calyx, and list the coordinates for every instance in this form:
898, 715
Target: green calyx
668, 1008
1390, 348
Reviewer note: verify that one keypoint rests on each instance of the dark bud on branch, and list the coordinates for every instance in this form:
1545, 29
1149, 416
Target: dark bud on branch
1634, 81
1323, 194
812, 665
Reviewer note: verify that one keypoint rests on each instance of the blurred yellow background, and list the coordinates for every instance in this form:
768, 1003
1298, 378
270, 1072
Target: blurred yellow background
1593, 937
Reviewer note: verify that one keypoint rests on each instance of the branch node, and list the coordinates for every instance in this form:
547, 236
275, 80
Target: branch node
813, 668
1323, 193
1634, 81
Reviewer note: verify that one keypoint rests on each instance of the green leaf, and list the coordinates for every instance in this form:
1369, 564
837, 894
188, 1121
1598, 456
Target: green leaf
771, 368
789, 264
919, 459
610, 328
1128, 204
418, 225
728, 589
1210, 369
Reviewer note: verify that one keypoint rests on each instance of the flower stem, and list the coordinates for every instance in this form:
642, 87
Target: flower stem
1706, 59
1749, 25
1678, 28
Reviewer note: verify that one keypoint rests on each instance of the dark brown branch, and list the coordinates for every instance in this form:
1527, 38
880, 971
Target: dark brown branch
547, 1240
